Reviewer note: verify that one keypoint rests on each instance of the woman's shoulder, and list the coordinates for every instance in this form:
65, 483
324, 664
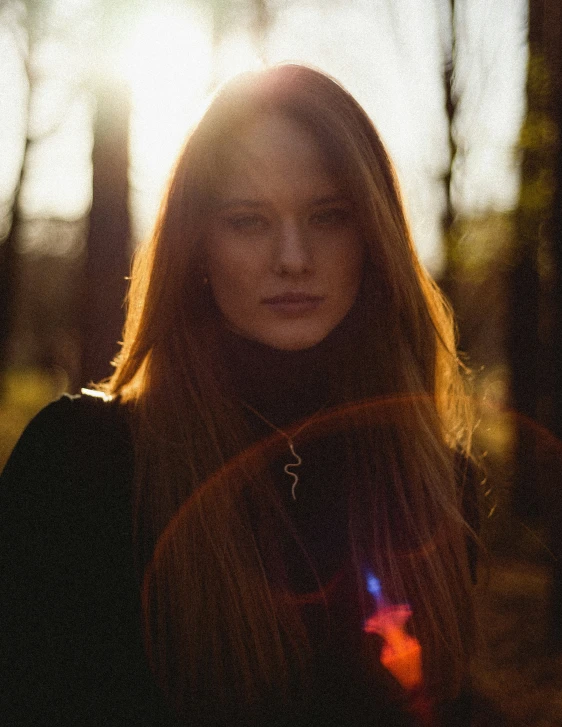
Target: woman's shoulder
75, 437
90, 408
83, 420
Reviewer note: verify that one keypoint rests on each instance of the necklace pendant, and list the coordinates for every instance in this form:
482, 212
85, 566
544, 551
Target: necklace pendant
288, 469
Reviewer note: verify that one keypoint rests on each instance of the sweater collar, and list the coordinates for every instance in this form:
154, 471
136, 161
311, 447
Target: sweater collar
284, 386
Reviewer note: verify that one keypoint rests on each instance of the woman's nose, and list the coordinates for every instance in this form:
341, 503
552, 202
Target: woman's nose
293, 254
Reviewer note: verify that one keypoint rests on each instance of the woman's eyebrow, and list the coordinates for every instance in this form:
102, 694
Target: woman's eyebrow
330, 199
229, 203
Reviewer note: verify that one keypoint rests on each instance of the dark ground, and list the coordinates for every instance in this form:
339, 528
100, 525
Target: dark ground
518, 668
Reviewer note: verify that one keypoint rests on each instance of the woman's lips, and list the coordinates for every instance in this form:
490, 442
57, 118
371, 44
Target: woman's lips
293, 305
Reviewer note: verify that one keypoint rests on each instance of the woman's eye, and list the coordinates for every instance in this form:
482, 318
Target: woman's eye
247, 223
335, 217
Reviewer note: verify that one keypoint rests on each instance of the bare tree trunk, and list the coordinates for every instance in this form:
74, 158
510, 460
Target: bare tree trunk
8, 246
523, 335
553, 50
447, 280
536, 294
450, 107
108, 256
260, 26
8, 267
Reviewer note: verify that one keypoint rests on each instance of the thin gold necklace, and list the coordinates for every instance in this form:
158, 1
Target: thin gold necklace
288, 468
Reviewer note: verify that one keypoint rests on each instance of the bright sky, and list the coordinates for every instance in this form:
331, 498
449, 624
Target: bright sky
388, 53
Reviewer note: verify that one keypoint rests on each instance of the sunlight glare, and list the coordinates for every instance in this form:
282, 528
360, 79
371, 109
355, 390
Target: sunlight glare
167, 63
236, 54
170, 66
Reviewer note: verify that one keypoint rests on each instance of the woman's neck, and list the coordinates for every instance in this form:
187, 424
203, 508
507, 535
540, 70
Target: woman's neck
285, 386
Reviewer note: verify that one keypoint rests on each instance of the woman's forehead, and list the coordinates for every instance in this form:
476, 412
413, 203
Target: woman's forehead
274, 151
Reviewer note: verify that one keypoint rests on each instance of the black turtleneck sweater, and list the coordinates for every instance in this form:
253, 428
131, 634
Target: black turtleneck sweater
70, 622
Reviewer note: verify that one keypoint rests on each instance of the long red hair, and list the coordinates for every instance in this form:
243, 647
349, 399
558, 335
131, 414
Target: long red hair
196, 470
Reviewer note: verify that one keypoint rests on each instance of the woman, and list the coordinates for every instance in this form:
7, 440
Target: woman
285, 423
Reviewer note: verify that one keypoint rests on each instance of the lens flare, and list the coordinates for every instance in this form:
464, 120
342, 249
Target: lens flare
401, 653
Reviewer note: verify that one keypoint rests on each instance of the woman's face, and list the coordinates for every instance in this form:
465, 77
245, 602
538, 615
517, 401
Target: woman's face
283, 254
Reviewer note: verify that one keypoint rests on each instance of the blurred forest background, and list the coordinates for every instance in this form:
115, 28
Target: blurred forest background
95, 99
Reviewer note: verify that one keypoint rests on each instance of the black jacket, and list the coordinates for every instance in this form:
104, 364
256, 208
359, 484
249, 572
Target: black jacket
70, 631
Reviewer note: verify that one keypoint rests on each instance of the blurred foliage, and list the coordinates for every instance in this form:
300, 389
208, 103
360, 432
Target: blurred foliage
539, 143
537, 192
477, 243
539, 81
539, 132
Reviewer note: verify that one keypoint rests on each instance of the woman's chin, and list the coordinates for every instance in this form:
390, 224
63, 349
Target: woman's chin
292, 342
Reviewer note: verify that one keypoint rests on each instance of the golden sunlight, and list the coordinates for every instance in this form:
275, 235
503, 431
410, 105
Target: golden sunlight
170, 65
167, 62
